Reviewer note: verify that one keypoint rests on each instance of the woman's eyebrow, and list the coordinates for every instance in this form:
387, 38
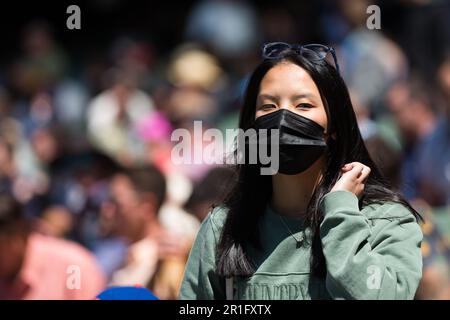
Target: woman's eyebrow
263, 96
294, 97
302, 96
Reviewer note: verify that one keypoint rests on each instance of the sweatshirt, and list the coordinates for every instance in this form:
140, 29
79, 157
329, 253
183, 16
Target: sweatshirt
372, 253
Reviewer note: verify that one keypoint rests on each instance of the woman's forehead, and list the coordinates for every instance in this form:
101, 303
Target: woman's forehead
288, 77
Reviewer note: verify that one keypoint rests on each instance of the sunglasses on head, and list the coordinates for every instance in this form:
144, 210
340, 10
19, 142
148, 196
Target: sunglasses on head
312, 52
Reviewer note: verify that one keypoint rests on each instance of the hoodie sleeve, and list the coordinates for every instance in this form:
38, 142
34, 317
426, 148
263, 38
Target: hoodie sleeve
200, 281
378, 258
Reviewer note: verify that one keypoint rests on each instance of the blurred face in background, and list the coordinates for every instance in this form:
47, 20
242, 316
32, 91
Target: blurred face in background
133, 211
411, 111
403, 111
45, 145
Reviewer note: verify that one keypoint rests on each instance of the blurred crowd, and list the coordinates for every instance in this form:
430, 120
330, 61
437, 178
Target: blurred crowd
86, 177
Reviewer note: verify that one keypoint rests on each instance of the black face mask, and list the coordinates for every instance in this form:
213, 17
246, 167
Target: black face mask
301, 140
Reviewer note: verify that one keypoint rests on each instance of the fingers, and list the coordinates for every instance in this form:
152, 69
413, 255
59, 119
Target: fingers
353, 177
347, 167
364, 174
356, 171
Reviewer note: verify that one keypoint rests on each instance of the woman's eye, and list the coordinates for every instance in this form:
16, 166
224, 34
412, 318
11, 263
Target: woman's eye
267, 106
305, 106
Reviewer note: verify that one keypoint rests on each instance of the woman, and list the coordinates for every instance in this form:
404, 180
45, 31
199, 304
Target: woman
327, 225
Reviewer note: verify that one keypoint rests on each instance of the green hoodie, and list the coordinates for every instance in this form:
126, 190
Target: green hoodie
373, 253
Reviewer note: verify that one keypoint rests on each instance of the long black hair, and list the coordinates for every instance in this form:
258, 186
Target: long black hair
250, 193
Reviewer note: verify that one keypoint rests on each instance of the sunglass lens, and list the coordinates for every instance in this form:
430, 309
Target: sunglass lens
314, 52
273, 50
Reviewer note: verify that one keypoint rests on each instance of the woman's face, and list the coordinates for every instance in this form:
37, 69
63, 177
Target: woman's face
288, 86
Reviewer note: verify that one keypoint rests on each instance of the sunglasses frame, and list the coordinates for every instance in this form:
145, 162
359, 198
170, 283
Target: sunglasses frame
299, 49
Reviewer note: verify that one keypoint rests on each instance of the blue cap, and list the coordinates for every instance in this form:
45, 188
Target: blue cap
126, 293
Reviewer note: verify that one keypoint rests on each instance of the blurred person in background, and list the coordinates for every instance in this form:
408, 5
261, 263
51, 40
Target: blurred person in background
414, 109
56, 221
49, 166
137, 57
113, 116
229, 27
435, 282
197, 85
385, 152
79, 184
209, 191
155, 257
34, 266
366, 124
155, 131
19, 173
70, 99
196, 77
387, 158
363, 52
83, 191
42, 64
439, 148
